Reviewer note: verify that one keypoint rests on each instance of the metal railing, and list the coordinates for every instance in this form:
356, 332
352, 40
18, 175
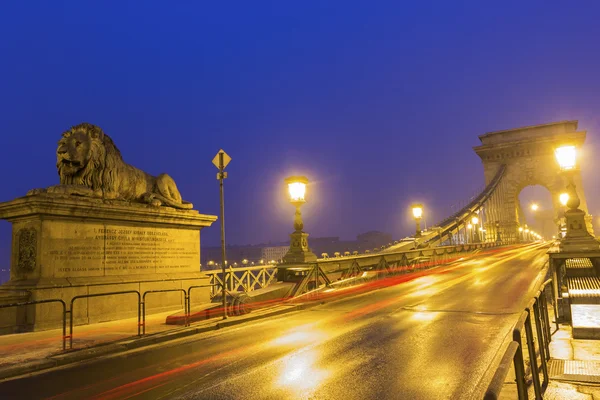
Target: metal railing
189, 301
244, 279
83, 296
64, 314
514, 351
143, 305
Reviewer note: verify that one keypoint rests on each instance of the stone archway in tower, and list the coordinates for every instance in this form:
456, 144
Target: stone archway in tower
528, 154
545, 218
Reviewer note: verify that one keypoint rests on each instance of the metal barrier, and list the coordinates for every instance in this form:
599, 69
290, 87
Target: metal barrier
141, 308
249, 278
70, 311
189, 301
64, 314
143, 304
541, 319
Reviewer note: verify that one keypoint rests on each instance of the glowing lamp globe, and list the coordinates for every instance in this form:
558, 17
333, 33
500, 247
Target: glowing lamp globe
297, 188
474, 220
566, 157
564, 198
417, 210
534, 207
520, 229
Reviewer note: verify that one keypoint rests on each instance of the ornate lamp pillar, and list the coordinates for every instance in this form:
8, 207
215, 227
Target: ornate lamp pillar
299, 251
564, 199
577, 237
417, 210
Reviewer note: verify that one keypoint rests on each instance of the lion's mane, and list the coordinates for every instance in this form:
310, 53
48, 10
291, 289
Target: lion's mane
100, 171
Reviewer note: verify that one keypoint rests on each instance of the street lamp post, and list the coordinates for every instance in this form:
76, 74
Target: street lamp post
577, 236
417, 210
299, 251
563, 198
498, 236
475, 221
520, 234
470, 228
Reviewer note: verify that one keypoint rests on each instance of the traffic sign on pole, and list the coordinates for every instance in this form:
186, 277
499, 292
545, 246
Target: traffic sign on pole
221, 163
221, 160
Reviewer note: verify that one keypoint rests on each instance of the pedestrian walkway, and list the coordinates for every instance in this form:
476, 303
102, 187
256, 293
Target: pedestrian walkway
24, 347
578, 376
574, 368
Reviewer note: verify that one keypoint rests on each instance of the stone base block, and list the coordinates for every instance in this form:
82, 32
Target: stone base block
586, 321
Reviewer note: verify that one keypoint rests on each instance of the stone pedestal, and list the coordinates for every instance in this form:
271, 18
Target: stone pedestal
578, 238
299, 251
65, 246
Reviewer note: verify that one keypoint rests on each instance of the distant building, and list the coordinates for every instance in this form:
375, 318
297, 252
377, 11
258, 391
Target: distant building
374, 239
232, 253
274, 253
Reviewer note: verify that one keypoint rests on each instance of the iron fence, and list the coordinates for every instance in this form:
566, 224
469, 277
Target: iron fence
244, 279
83, 296
64, 314
143, 305
514, 352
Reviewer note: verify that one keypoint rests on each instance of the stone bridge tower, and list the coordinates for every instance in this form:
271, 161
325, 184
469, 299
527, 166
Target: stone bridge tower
528, 154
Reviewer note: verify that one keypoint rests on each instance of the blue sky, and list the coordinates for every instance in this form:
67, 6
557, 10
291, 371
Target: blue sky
378, 103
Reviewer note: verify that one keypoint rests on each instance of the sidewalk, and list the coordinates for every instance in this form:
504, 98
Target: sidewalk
35, 351
574, 368
574, 380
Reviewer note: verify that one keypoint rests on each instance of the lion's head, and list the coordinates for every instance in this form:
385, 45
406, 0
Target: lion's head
83, 153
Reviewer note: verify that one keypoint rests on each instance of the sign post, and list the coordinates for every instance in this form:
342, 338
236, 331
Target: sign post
220, 161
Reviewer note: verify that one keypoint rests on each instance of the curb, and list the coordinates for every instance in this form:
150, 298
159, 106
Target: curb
133, 344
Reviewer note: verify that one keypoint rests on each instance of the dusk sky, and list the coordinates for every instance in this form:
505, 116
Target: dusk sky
378, 103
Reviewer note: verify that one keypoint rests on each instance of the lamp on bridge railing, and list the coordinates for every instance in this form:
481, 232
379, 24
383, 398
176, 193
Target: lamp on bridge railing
526, 234
475, 221
299, 251
470, 234
577, 237
498, 236
534, 207
417, 210
520, 234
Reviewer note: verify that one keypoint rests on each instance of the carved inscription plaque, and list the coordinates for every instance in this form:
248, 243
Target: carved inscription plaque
76, 250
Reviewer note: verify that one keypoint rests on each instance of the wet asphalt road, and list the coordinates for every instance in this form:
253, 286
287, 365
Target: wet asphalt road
433, 337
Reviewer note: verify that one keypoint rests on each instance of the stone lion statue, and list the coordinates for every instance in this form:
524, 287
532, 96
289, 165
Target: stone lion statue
89, 164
